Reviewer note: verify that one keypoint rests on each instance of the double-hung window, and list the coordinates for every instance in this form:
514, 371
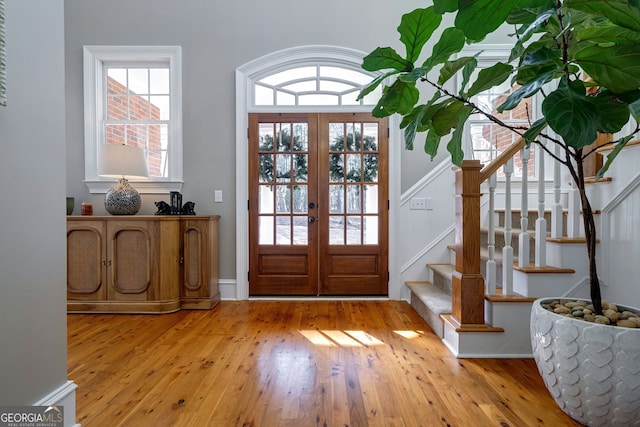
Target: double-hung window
133, 97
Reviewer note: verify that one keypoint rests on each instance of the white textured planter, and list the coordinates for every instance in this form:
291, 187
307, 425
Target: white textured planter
591, 370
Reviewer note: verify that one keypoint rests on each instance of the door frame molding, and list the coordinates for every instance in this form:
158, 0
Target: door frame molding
283, 59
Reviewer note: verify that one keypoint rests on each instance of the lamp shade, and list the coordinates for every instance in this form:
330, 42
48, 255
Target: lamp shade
117, 161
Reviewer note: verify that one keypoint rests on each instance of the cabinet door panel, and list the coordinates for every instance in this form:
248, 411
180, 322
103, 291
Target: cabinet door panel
194, 261
130, 262
199, 267
85, 262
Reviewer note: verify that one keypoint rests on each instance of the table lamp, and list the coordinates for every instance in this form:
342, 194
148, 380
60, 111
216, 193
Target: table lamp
121, 161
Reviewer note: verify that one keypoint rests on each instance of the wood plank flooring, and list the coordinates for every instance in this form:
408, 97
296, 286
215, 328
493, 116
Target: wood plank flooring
292, 363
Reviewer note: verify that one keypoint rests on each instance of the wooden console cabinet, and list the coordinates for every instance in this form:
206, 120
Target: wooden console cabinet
141, 263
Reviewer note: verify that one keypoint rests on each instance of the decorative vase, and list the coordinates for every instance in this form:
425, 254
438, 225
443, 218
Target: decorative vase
591, 370
71, 203
122, 199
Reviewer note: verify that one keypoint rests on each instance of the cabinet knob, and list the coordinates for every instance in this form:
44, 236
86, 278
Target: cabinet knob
181, 260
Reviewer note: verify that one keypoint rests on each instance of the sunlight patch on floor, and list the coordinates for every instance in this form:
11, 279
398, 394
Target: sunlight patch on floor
333, 338
409, 334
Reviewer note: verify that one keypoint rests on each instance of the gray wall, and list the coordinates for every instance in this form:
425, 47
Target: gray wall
33, 357
216, 37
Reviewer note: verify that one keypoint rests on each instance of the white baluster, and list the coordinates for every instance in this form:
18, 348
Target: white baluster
523, 242
507, 250
491, 244
541, 222
573, 216
556, 210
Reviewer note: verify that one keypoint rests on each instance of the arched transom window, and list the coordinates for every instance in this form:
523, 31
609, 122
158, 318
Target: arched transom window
313, 85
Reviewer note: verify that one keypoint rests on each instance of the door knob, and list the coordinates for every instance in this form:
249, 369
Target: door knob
312, 219
312, 205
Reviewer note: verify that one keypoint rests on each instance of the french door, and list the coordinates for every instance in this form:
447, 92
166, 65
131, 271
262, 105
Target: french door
318, 204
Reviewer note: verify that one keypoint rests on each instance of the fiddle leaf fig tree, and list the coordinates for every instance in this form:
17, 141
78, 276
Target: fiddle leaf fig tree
581, 57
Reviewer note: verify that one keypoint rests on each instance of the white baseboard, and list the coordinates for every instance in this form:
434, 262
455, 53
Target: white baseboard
228, 291
64, 396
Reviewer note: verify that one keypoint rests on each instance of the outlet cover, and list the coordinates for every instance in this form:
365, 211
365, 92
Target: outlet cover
418, 203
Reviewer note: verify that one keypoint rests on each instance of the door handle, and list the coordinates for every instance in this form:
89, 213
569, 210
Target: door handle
312, 219
312, 205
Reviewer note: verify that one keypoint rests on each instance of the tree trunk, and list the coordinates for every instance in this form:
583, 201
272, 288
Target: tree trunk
590, 235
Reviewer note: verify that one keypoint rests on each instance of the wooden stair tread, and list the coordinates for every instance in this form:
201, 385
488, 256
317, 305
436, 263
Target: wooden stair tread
546, 269
593, 180
448, 318
498, 297
569, 240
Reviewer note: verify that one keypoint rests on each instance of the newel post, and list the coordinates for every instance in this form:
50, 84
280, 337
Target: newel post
467, 282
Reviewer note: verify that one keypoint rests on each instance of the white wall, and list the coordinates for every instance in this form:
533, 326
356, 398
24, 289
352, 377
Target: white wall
33, 358
216, 38
619, 231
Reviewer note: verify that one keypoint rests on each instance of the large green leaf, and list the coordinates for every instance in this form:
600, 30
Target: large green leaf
432, 143
384, 58
526, 11
419, 119
455, 143
422, 117
534, 62
489, 78
614, 67
400, 97
444, 6
373, 84
571, 115
620, 12
467, 72
413, 75
614, 153
540, 56
543, 25
607, 34
450, 68
614, 114
526, 31
416, 28
477, 18
410, 124
532, 133
524, 91
446, 118
451, 41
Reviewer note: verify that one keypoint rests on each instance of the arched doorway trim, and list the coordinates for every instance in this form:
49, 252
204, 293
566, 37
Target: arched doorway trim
246, 77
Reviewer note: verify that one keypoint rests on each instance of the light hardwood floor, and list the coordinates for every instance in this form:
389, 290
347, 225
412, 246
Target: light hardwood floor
293, 363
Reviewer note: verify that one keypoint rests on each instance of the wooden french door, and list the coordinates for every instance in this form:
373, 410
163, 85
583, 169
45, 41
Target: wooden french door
318, 204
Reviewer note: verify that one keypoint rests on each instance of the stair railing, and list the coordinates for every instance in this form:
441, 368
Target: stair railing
468, 284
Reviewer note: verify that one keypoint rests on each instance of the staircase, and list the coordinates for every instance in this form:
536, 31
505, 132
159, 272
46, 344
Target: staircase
432, 299
477, 316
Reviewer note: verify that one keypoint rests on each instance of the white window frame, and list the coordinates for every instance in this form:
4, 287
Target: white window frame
95, 57
487, 55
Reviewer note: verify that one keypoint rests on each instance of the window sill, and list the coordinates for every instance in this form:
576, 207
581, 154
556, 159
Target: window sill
143, 187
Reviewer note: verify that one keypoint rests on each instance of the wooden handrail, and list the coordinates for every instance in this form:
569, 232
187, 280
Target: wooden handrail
500, 161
